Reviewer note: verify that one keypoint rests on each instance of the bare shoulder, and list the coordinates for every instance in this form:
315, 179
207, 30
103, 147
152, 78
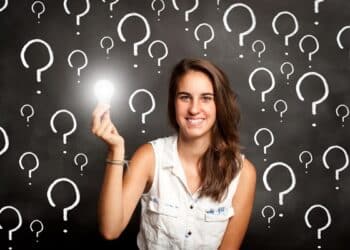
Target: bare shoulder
248, 171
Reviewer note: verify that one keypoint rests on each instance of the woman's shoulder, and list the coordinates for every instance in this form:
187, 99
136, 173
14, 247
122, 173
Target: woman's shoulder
248, 170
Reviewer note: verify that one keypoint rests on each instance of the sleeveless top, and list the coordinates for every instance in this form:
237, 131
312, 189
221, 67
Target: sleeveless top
172, 217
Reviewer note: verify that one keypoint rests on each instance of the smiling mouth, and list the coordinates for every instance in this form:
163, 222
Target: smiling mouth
195, 121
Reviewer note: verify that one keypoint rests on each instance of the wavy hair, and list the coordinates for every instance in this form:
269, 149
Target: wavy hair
221, 161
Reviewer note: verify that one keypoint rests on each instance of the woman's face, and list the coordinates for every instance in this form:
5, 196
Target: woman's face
195, 105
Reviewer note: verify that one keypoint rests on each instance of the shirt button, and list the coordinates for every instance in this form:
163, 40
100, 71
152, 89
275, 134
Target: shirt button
191, 207
189, 233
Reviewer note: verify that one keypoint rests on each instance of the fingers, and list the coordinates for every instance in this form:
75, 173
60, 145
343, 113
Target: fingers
97, 117
104, 123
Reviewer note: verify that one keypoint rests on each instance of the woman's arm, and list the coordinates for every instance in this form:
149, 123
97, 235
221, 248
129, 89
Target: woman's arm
119, 195
243, 203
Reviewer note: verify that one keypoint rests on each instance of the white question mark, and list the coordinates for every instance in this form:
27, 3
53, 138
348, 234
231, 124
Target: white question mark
262, 49
345, 115
211, 37
324, 97
143, 117
108, 48
319, 230
296, 28
346, 164
243, 34
340, 32
291, 71
19, 221
272, 215
111, 6
263, 93
85, 161
31, 112
48, 65
148, 31
290, 188
187, 13
271, 136
80, 15
42, 6
311, 52
32, 169
301, 160
85, 60
4, 6
69, 132
165, 51
160, 10
6, 141
40, 229
316, 8
65, 210
282, 111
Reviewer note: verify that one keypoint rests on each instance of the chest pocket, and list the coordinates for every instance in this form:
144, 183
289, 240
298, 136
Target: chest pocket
162, 219
214, 223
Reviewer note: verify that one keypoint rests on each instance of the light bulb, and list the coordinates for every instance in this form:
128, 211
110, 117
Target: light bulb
104, 91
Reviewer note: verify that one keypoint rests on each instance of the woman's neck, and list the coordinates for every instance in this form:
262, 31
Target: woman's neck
191, 150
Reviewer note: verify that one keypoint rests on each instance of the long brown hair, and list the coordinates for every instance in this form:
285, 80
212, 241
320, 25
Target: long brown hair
221, 161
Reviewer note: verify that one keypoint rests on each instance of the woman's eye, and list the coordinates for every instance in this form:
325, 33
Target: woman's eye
184, 97
207, 98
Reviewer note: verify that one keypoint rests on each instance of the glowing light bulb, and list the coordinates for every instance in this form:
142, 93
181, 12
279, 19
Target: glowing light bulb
104, 91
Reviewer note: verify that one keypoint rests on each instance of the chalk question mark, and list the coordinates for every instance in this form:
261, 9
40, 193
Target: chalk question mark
346, 164
165, 51
289, 189
314, 103
346, 113
187, 12
48, 65
19, 221
263, 93
210, 38
161, 8
82, 165
52, 125
65, 210
272, 214
247, 32
271, 136
29, 115
108, 48
308, 162
296, 26
42, 8
260, 51
283, 110
319, 230
81, 67
6, 141
144, 114
291, 69
30, 171
317, 46
78, 16
38, 231
142, 41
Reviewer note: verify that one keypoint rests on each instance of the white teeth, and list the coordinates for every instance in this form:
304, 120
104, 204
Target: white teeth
195, 121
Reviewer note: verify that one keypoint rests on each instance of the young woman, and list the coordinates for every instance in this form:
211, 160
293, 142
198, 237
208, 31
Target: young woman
196, 189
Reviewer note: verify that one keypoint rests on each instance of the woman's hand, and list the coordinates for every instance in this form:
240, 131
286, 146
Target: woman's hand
103, 128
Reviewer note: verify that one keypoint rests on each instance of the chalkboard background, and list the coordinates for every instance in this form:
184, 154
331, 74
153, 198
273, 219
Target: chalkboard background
300, 154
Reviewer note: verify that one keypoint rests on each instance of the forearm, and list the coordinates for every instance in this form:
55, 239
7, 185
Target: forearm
110, 203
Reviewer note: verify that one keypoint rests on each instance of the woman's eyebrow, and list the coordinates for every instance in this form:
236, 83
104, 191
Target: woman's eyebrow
187, 93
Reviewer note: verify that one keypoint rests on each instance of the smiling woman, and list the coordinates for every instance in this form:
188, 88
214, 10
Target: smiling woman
196, 188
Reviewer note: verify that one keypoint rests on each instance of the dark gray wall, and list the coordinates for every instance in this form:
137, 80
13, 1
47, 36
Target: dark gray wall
314, 200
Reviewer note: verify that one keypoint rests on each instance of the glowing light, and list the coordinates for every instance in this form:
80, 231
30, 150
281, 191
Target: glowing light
104, 91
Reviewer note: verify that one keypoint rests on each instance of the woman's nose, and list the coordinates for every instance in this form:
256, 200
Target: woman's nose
194, 107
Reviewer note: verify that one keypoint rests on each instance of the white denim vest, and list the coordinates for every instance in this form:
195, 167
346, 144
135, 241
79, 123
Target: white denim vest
173, 218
